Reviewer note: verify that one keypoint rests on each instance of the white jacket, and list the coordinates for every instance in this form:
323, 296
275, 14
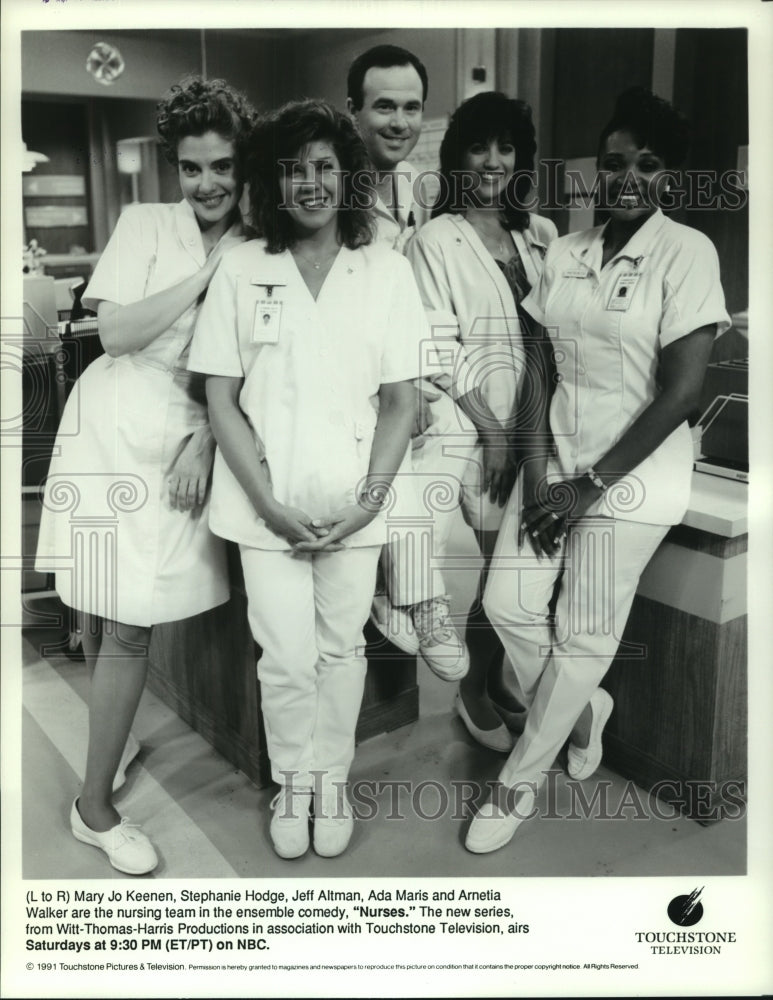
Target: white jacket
470, 307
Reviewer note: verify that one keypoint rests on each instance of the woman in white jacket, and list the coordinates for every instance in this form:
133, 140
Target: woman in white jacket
474, 262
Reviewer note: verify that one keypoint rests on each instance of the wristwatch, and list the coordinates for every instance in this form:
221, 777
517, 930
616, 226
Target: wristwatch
596, 479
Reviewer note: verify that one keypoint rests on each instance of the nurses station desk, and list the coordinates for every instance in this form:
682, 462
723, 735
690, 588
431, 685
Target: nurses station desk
679, 682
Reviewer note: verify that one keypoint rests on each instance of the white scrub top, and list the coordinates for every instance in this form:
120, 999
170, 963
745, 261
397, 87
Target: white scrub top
608, 327
470, 307
312, 372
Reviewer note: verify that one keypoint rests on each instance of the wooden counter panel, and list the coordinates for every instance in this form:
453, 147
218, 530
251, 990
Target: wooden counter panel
680, 714
204, 668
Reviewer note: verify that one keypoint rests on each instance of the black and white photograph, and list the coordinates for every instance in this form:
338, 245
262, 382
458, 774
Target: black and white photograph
386, 535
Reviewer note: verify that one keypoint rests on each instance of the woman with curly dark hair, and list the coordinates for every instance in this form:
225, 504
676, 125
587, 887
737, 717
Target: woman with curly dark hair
310, 339
474, 262
134, 449
624, 319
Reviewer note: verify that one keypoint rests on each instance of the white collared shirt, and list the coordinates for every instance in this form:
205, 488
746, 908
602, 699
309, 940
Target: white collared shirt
608, 327
152, 248
396, 225
312, 370
473, 317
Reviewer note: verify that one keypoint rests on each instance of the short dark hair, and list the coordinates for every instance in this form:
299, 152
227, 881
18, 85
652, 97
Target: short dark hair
278, 138
481, 118
652, 122
382, 56
195, 106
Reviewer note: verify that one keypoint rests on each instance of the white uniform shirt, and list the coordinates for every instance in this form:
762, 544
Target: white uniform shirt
312, 372
396, 225
152, 248
608, 328
470, 307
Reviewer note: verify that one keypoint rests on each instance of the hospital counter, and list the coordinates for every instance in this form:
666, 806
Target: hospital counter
680, 677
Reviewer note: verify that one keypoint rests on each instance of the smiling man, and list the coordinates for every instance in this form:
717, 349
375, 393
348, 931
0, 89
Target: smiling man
387, 89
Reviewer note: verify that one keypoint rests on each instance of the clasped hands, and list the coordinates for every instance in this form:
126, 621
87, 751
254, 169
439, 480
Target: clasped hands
319, 534
549, 508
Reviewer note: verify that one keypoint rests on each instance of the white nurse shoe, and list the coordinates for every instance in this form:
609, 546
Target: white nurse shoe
582, 762
289, 827
126, 846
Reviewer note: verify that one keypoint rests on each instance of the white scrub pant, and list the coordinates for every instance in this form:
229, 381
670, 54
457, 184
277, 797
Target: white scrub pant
307, 612
558, 665
442, 472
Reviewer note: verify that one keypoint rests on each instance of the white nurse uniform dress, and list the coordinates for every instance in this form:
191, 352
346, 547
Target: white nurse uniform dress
108, 531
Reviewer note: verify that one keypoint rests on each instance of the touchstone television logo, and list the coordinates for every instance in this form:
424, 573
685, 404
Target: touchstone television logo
686, 911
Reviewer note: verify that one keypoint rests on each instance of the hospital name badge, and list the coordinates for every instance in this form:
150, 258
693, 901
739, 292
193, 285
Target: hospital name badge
622, 293
266, 322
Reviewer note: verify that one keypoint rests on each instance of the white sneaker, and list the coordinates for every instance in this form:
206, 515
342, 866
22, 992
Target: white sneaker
440, 645
126, 846
333, 820
289, 827
395, 624
130, 751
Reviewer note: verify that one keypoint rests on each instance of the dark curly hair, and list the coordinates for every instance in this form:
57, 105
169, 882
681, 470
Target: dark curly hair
481, 118
652, 122
195, 106
279, 138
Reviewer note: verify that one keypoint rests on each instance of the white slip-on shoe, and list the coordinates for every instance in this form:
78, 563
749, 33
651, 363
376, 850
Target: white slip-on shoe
440, 645
500, 739
126, 846
493, 826
395, 624
130, 751
515, 721
289, 826
333, 820
582, 762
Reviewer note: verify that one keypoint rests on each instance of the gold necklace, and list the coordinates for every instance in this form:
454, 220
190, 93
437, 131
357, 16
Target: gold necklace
316, 264
502, 249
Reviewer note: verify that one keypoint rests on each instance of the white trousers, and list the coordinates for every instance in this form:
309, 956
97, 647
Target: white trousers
559, 664
442, 471
307, 612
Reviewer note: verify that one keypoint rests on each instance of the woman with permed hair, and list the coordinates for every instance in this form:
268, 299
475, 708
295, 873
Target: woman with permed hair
624, 318
309, 337
135, 449
474, 262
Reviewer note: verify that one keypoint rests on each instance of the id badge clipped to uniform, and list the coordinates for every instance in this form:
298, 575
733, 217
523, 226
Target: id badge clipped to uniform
267, 321
622, 293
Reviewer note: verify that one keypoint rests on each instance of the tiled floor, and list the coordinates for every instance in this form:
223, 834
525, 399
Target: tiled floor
207, 820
